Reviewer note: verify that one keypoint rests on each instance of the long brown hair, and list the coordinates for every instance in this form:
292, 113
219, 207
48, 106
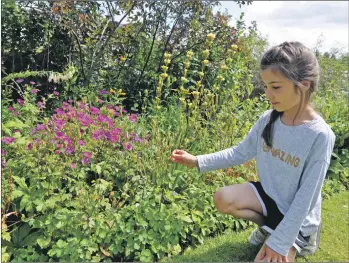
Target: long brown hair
297, 63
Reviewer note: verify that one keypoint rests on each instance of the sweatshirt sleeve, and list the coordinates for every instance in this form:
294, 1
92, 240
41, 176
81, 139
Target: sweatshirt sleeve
314, 173
244, 151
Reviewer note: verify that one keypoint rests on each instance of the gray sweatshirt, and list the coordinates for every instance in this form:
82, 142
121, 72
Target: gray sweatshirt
292, 172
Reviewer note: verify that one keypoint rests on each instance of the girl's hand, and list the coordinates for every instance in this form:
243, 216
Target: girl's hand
182, 157
269, 255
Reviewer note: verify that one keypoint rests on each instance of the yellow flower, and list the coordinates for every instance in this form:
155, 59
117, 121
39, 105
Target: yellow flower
201, 74
184, 80
112, 91
211, 37
195, 93
183, 90
164, 68
224, 67
205, 62
234, 47
190, 54
164, 75
167, 61
122, 58
121, 93
220, 78
167, 55
186, 64
229, 60
206, 52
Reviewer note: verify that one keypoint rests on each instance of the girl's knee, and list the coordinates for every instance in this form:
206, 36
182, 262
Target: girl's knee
222, 202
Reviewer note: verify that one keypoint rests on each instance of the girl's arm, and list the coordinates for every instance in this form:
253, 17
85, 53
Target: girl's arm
244, 151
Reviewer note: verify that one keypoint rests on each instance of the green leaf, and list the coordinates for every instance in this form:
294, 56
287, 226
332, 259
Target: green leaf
61, 244
98, 169
43, 242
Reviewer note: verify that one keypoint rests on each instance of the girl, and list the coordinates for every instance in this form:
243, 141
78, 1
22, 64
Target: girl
292, 145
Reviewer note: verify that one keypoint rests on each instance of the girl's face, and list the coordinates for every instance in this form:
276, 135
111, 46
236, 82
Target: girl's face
280, 91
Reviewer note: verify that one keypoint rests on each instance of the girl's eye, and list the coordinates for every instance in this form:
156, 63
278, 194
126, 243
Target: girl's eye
276, 87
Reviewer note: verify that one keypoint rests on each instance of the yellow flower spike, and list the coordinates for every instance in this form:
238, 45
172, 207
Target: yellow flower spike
167, 61
224, 67
121, 93
112, 91
206, 53
158, 90
220, 78
184, 80
211, 37
229, 60
190, 105
122, 58
167, 55
84, 100
164, 68
234, 47
205, 62
183, 90
164, 75
190, 54
201, 74
195, 94
198, 83
186, 65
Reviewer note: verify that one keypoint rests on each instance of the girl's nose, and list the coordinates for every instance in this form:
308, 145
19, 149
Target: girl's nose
268, 94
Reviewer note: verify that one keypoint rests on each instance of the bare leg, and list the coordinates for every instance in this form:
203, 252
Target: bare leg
239, 201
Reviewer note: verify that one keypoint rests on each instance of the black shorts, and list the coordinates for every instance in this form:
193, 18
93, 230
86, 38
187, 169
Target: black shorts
273, 216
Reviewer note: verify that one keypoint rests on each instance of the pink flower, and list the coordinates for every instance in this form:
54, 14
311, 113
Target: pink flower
41, 105
85, 160
94, 110
11, 108
87, 154
8, 140
81, 142
70, 101
55, 93
69, 150
133, 117
59, 134
32, 82
3, 152
60, 123
85, 120
20, 102
57, 151
117, 108
127, 146
34, 91
117, 114
124, 111
19, 80
29, 146
73, 165
103, 92
59, 146
100, 101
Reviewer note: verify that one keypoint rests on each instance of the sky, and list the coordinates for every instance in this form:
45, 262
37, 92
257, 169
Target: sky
303, 21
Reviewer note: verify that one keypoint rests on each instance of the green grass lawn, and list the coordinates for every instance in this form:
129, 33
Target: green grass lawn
232, 246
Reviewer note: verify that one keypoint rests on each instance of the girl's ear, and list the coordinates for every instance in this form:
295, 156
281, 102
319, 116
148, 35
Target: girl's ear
306, 84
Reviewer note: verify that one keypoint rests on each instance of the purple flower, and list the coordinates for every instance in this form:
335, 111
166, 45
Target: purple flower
85, 160
137, 139
32, 82
60, 123
114, 135
133, 117
59, 111
55, 93
110, 107
3, 152
70, 101
94, 110
117, 108
41, 105
19, 80
37, 141
34, 91
106, 119
69, 150
73, 165
59, 146
20, 102
103, 92
124, 111
57, 151
81, 142
100, 134
29, 146
85, 120
117, 114
11, 108
8, 140
81, 105
59, 134
87, 154
127, 146
40, 127
100, 101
